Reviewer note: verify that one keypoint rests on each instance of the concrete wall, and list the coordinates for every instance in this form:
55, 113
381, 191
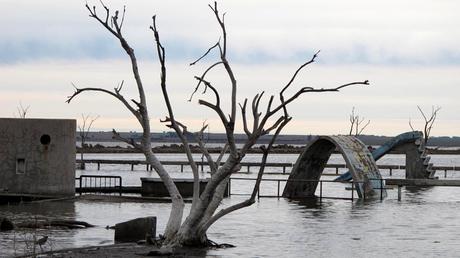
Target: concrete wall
37, 156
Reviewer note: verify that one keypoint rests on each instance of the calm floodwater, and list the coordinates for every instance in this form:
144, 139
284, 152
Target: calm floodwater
425, 223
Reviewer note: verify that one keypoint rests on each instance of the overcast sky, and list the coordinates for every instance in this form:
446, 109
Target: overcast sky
408, 50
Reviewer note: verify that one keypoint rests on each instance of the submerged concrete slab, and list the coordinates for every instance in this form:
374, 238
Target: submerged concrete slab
154, 187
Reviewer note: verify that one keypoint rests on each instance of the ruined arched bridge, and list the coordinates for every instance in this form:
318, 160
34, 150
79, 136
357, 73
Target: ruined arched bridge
311, 163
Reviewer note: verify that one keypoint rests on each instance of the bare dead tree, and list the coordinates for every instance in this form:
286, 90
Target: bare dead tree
83, 130
429, 122
356, 124
22, 111
270, 121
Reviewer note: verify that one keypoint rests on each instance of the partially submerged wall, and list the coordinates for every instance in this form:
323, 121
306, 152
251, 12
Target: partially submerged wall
37, 156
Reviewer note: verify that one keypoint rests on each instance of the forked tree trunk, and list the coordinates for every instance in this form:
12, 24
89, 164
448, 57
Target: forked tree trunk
193, 230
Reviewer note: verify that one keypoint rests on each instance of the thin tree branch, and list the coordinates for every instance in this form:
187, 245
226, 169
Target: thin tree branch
175, 124
221, 155
117, 136
199, 139
298, 70
251, 199
202, 78
244, 118
205, 54
364, 127
115, 94
209, 85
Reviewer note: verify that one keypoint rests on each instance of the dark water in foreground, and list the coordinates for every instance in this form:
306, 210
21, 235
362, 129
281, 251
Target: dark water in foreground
426, 223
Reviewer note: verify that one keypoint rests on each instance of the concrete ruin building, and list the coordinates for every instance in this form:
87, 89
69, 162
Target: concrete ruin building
37, 156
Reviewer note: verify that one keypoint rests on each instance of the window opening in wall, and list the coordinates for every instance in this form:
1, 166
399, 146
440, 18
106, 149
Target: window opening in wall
20, 166
45, 139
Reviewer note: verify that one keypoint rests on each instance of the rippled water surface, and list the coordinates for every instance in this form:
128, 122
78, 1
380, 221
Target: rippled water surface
425, 223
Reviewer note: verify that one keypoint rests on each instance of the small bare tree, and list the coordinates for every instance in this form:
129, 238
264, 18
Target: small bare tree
83, 130
356, 127
22, 111
203, 211
429, 122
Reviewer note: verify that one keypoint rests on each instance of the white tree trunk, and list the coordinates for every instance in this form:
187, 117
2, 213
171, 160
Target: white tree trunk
177, 208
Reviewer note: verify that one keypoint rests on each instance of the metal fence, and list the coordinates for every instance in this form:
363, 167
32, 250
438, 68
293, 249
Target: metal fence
352, 187
99, 184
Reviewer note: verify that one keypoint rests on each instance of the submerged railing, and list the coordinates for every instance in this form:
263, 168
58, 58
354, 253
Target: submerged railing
320, 186
248, 165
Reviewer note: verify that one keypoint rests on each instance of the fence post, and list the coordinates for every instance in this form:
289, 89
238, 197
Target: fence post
132, 166
320, 191
121, 186
399, 193
229, 186
352, 190
98, 166
381, 188
278, 194
391, 173
181, 168
80, 185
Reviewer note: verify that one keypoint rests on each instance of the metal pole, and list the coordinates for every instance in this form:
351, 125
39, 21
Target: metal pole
80, 185
320, 191
121, 186
381, 188
352, 190
278, 194
229, 186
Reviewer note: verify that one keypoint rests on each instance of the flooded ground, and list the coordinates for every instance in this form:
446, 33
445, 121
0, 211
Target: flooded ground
426, 222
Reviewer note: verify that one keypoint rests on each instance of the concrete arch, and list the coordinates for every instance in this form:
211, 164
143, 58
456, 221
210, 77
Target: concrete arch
311, 163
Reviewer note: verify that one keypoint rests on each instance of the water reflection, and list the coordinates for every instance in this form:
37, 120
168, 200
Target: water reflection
20, 241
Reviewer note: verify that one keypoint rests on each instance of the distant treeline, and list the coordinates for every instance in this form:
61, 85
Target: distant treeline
170, 137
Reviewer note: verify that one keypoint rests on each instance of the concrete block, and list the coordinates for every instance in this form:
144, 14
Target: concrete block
136, 229
37, 156
6, 224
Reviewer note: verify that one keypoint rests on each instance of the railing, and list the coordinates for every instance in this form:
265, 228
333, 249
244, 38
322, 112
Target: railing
320, 185
99, 184
248, 165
